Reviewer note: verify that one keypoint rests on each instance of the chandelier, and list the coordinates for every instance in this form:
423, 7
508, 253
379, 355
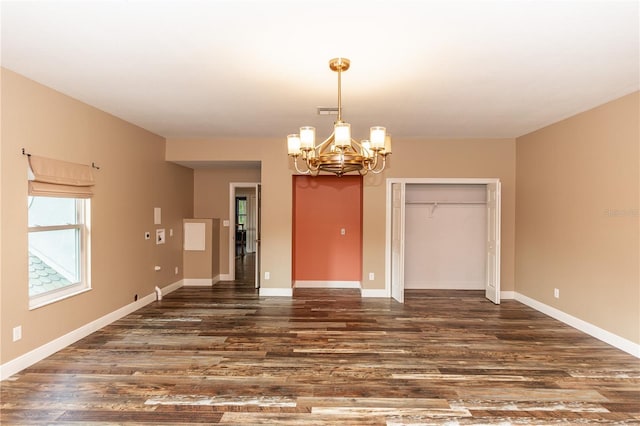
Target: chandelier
339, 153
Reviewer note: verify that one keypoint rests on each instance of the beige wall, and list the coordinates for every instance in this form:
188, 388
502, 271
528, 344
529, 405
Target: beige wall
204, 264
133, 179
211, 199
447, 158
275, 177
577, 217
441, 158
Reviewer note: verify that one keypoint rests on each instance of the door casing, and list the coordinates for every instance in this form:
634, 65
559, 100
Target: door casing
233, 186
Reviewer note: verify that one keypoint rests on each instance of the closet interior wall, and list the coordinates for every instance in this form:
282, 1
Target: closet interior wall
445, 236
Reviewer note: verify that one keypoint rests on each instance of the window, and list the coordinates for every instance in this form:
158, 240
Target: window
58, 248
241, 212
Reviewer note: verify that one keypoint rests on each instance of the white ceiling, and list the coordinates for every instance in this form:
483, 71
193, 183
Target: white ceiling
239, 68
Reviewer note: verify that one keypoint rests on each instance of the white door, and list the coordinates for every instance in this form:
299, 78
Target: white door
258, 223
397, 241
492, 283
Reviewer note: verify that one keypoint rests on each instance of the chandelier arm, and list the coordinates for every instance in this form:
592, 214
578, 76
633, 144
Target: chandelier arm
327, 141
384, 163
312, 167
373, 162
325, 146
295, 163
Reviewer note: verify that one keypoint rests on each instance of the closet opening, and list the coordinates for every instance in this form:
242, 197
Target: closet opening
443, 235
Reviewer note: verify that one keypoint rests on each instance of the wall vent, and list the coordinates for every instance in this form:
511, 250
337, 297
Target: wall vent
327, 110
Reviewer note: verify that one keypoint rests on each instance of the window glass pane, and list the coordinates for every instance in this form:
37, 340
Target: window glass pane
241, 211
242, 206
47, 211
53, 260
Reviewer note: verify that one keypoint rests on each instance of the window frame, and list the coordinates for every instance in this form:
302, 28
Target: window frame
83, 221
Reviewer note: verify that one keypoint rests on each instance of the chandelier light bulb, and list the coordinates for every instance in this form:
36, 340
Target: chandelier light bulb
366, 149
377, 137
307, 137
387, 144
293, 144
343, 134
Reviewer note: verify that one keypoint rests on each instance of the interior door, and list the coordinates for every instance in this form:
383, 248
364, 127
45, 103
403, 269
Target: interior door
492, 283
258, 230
397, 241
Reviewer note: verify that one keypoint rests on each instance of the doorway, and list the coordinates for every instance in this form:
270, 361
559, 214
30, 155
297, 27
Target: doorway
451, 230
244, 228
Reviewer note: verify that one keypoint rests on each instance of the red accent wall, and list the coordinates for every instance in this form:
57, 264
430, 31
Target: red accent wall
322, 206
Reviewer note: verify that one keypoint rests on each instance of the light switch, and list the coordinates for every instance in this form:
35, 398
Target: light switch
343, 231
225, 223
159, 236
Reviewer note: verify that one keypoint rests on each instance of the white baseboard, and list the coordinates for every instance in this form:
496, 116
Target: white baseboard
225, 277
283, 292
18, 364
444, 285
612, 339
215, 280
375, 292
507, 295
172, 287
326, 284
198, 282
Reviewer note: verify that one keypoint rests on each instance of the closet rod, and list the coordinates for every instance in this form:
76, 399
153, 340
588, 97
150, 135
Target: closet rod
446, 202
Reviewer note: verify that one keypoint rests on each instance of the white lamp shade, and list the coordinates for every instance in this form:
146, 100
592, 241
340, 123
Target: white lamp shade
387, 144
366, 149
377, 137
342, 134
293, 144
307, 137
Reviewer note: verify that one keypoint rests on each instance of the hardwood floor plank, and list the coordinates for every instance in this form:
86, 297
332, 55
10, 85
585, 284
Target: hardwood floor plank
224, 355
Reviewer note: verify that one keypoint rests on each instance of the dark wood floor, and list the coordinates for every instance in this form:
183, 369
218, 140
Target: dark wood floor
225, 355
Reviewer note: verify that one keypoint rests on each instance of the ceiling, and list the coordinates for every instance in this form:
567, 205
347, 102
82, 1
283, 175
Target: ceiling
240, 68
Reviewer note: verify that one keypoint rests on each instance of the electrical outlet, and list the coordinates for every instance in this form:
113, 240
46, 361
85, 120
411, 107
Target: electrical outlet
17, 333
267, 275
372, 276
556, 293
147, 235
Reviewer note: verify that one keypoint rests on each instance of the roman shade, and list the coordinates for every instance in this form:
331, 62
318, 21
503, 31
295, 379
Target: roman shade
55, 178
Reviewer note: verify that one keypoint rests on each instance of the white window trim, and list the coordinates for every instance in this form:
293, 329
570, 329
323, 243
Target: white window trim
83, 223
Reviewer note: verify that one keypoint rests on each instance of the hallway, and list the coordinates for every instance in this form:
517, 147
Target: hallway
245, 270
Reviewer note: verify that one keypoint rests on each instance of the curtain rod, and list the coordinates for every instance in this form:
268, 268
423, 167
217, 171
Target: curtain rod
93, 164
